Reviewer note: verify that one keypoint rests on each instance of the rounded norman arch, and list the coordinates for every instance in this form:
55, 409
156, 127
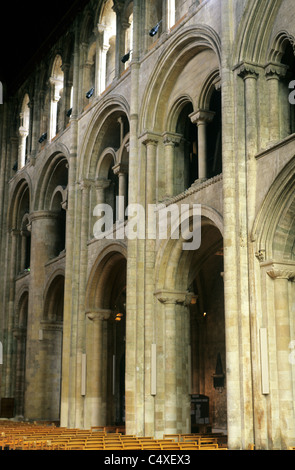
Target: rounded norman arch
274, 228
186, 45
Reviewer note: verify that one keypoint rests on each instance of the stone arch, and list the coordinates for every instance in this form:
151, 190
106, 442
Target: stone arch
54, 297
187, 44
107, 160
98, 136
171, 257
280, 62
51, 340
99, 276
273, 230
254, 31
21, 299
22, 188
54, 173
185, 283
105, 303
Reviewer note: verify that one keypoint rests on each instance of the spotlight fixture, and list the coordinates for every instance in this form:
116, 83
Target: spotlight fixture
43, 137
155, 29
89, 93
126, 57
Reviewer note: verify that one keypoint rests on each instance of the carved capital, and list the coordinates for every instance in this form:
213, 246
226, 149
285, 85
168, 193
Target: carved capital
275, 71
281, 271
247, 71
120, 168
170, 138
174, 297
98, 315
202, 116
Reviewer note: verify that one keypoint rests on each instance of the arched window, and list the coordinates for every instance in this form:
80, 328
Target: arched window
107, 46
24, 130
56, 91
187, 161
288, 60
128, 27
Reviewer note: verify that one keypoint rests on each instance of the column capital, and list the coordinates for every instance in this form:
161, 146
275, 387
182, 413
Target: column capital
277, 270
202, 116
174, 297
43, 214
23, 132
120, 168
275, 71
247, 70
150, 138
171, 138
98, 314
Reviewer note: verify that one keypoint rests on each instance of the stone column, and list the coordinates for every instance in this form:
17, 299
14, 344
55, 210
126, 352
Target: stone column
151, 142
282, 274
96, 368
174, 391
273, 74
120, 36
202, 118
102, 47
23, 134
170, 142
250, 76
122, 171
20, 335
9, 371
43, 249
54, 99
66, 100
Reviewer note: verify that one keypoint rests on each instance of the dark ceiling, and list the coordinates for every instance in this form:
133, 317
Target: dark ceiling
27, 30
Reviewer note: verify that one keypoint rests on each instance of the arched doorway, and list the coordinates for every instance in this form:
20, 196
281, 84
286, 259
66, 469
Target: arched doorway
105, 339
191, 312
20, 334
51, 339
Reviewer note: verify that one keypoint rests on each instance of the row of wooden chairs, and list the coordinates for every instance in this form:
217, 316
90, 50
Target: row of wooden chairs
47, 436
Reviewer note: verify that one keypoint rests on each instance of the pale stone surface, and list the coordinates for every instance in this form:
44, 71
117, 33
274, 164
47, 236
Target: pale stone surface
150, 132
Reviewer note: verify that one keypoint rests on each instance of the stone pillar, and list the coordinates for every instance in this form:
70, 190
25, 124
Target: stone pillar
50, 360
122, 171
151, 143
20, 335
120, 36
9, 369
202, 118
96, 368
176, 390
282, 274
102, 47
273, 74
66, 100
170, 142
54, 99
43, 249
23, 134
